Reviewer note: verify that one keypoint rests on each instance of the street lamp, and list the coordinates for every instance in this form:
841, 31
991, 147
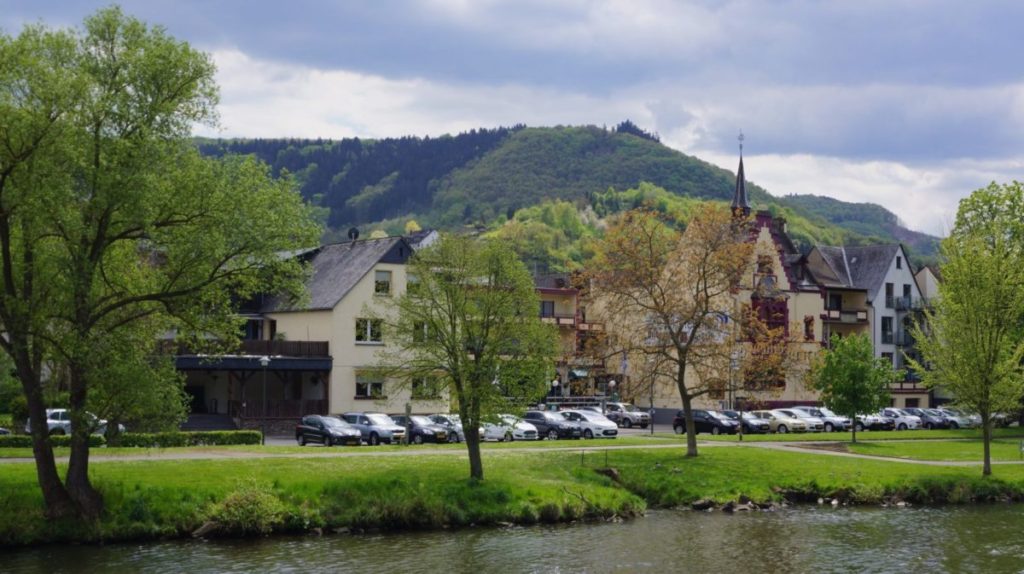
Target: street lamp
264, 362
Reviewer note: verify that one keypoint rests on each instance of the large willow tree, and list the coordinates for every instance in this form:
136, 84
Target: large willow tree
111, 222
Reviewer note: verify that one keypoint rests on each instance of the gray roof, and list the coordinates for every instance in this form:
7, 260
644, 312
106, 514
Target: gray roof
336, 268
862, 267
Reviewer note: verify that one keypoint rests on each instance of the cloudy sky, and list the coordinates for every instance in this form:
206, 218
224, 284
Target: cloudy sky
908, 104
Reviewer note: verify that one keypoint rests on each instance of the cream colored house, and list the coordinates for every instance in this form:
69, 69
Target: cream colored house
313, 356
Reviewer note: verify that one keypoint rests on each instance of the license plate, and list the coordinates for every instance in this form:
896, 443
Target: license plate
440, 435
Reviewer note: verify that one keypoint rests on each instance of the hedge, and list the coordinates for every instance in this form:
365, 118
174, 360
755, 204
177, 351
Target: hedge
195, 438
25, 441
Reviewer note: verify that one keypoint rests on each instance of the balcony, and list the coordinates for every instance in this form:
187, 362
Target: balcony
903, 339
852, 316
260, 348
562, 320
908, 303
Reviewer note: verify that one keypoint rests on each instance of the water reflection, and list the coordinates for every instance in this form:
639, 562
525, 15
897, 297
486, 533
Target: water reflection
808, 539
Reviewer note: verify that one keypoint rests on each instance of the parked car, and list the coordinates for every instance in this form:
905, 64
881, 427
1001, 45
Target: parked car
930, 418
959, 418
375, 427
553, 425
706, 421
509, 428
814, 424
627, 415
594, 425
781, 422
752, 424
327, 431
453, 425
58, 422
831, 420
902, 419
421, 429
4, 431
873, 422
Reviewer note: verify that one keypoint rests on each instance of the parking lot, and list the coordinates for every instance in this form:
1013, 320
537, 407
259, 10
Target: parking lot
289, 440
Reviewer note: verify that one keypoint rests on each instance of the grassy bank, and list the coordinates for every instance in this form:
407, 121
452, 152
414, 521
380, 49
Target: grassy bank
1012, 432
1002, 450
60, 452
156, 499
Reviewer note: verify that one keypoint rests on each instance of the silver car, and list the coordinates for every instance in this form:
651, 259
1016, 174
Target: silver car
833, 422
375, 427
814, 424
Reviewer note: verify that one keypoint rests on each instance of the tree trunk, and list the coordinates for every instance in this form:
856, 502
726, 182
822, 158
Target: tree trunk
469, 411
691, 428
55, 497
854, 423
85, 496
476, 464
986, 437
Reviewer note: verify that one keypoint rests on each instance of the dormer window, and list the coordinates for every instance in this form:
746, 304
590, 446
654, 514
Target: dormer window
899, 262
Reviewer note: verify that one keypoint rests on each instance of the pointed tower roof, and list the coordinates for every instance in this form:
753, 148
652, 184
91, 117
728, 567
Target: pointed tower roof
740, 206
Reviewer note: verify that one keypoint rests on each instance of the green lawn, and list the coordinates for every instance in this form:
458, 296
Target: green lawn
1013, 432
122, 451
160, 498
1002, 449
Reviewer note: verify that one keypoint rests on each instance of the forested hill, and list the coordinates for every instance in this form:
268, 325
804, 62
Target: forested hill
484, 176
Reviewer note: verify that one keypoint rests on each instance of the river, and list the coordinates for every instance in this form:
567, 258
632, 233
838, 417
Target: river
986, 539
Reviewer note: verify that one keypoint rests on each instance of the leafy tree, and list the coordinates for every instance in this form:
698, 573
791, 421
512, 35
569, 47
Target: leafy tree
109, 217
411, 227
851, 379
468, 320
972, 340
666, 292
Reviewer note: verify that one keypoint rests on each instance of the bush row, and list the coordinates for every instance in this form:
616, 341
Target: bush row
196, 438
25, 441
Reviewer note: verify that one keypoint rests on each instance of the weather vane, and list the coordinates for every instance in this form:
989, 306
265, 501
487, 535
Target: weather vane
740, 138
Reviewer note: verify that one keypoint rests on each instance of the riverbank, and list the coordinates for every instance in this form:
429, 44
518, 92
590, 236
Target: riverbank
157, 499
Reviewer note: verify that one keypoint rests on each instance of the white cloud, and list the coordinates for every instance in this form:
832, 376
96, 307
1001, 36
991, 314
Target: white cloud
267, 99
924, 197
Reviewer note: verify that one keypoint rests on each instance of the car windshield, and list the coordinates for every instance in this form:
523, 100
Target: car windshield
379, 419
718, 415
633, 409
731, 414
750, 416
595, 417
454, 419
421, 420
827, 412
333, 422
933, 412
509, 419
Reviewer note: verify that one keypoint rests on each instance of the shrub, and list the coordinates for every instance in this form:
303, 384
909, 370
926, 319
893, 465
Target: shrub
251, 509
173, 439
25, 441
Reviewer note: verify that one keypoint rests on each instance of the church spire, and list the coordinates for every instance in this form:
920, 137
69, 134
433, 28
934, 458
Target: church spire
740, 207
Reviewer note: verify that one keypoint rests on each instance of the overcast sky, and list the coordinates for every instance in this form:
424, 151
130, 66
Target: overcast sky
908, 104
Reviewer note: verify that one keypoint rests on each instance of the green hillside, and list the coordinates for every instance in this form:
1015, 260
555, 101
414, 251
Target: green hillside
485, 178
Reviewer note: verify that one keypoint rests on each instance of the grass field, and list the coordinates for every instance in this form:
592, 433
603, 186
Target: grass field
1011, 432
1004, 449
555, 444
165, 498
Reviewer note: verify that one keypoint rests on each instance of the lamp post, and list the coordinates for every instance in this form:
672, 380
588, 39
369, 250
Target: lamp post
554, 393
264, 362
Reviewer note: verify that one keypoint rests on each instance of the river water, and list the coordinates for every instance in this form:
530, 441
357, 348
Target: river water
986, 539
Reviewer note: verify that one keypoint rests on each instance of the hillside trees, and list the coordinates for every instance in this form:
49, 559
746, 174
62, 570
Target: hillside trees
110, 219
972, 339
468, 323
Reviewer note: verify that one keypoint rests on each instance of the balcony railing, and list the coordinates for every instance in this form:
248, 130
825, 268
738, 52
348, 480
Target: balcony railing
904, 339
845, 315
270, 348
908, 303
560, 319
